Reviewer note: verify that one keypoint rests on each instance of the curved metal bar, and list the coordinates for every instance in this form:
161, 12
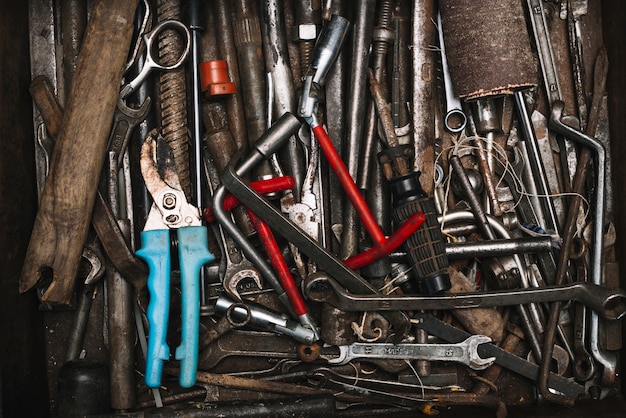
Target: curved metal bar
608, 360
610, 303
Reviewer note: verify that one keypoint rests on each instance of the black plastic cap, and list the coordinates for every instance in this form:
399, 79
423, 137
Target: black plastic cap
406, 188
434, 285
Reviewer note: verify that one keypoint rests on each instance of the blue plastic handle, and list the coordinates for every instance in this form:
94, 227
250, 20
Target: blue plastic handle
193, 253
155, 251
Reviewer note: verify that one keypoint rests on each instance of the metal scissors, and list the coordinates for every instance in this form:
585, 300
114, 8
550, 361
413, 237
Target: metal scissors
153, 64
170, 210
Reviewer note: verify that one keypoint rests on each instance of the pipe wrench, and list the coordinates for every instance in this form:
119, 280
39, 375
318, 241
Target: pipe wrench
170, 210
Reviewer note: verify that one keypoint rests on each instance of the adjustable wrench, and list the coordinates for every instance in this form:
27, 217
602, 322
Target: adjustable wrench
465, 352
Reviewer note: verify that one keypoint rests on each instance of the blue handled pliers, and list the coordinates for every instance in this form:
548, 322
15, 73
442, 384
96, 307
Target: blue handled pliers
170, 210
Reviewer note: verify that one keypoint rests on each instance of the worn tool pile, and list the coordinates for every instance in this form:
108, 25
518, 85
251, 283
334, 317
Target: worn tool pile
333, 207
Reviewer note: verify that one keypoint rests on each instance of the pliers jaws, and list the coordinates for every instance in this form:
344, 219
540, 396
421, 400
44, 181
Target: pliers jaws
161, 179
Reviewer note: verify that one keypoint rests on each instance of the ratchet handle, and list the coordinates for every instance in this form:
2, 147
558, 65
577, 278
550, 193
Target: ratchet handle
193, 253
155, 251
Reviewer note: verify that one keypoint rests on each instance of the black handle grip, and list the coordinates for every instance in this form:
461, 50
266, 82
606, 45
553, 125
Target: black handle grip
426, 248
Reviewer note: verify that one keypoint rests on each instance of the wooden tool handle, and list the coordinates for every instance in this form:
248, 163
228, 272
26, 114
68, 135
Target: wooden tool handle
67, 202
44, 98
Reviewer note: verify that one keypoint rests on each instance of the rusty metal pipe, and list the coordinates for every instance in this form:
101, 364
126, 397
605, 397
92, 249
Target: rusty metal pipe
356, 106
226, 43
277, 64
249, 45
424, 37
173, 94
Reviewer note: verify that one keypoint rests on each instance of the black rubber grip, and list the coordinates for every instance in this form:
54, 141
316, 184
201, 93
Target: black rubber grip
426, 247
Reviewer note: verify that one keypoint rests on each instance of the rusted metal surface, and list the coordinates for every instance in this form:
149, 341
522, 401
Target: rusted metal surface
271, 367
505, 43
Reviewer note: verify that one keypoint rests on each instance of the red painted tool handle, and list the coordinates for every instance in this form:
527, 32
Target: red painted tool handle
273, 185
394, 241
278, 262
352, 191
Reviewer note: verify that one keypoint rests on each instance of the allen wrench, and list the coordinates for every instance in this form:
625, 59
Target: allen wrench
263, 148
287, 126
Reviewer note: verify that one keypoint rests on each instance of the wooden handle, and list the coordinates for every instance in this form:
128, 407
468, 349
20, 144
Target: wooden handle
67, 202
44, 98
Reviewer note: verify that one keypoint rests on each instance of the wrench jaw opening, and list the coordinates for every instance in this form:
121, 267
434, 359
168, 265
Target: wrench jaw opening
341, 359
476, 362
232, 281
614, 305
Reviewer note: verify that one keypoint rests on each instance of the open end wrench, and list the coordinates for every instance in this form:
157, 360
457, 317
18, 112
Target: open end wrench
505, 359
125, 120
465, 352
94, 257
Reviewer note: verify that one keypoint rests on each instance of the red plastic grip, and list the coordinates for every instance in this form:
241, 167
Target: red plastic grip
276, 184
352, 191
394, 241
279, 264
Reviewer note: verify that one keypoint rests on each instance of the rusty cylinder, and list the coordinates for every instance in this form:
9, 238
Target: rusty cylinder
488, 47
173, 93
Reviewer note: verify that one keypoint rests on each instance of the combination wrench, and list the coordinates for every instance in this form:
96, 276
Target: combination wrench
606, 359
465, 352
455, 119
237, 269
